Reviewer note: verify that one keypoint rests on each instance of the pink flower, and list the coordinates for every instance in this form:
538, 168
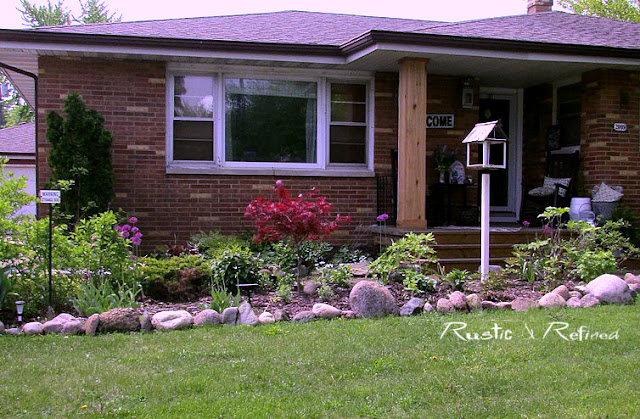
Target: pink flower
133, 220
134, 229
125, 234
382, 218
526, 223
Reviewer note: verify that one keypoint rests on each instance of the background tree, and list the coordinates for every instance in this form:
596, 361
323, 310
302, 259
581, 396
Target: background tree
628, 10
95, 11
13, 107
80, 160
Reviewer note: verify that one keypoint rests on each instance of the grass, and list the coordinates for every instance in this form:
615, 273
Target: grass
392, 367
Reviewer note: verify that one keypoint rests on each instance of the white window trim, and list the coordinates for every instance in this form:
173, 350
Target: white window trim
321, 167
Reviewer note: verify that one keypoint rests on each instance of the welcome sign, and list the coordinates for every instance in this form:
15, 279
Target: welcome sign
440, 120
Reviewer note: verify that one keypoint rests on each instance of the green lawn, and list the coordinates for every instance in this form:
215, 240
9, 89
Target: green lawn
393, 367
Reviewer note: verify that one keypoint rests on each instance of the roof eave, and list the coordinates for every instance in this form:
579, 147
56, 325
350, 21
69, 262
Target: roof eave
375, 37
55, 38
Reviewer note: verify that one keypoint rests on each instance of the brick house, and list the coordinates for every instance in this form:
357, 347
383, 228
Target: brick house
17, 146
208, 112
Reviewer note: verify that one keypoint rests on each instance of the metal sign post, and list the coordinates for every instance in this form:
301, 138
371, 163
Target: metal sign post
50, 197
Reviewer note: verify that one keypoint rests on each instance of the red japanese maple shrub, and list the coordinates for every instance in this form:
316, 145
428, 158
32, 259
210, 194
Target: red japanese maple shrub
297, 220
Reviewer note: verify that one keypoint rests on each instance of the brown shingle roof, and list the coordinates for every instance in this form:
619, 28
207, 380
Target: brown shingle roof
293, 27
549, 27
19, 139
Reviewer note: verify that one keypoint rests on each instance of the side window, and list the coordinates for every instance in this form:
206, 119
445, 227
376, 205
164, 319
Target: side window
193, 115
348, 124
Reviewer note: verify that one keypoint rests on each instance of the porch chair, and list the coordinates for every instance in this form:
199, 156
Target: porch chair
557, 188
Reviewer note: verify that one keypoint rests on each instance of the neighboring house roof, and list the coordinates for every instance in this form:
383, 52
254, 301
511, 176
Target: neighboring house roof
310, 28
19, 139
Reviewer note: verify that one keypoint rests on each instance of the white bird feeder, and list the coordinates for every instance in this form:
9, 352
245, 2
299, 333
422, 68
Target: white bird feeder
486, 150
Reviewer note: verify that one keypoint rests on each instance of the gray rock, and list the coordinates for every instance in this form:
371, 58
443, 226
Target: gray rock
562, 291
577, 294
91, 325
370, 299
413, 306
496, 269
32, 328
119, 320
589, 301
205, 317
428, 308
325, 311
552, 300
574, 302
348, 314
280, 315
505, 305
474, 302
489, 305
610, 289
630, 278
310, 287
635, 288
522, 304
1, 327
444, 306
65, 324
246, 315
145, 322
266, 317
13, 331
304, 316
230, 316
458, 300
172, 320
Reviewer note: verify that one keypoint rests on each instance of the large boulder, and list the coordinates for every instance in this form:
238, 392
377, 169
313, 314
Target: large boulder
65, 324
609, 288
370, 299
207, 316
589, 301
266, 317
413, 306
32, 328
458, 300
325, 311
474, 302
443, 305
280, 315
1, 327
145, 322
562, 291
552, 300
119, 320
246, 315
523, 304
304, 316
172, 320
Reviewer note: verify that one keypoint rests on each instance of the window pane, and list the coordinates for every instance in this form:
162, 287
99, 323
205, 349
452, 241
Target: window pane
348, 144
348, 92
192, 150
348, 112
270, 121
195, 130
193, 96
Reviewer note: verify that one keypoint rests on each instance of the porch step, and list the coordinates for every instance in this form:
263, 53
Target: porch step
465, 251
469, 264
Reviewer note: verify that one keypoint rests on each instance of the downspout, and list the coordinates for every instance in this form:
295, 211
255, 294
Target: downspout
35, 113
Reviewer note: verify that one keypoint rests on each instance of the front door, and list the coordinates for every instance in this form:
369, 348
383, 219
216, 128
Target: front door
504, 183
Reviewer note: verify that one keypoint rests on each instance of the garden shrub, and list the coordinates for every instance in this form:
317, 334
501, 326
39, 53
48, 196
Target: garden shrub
214, 242
347, 254
587, 252
221, 298
235, 265
412, 258
456, 279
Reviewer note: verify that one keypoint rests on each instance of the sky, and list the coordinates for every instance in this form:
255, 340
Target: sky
131, 10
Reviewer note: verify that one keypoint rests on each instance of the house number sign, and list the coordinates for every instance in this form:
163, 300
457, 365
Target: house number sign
440, 120
618, 126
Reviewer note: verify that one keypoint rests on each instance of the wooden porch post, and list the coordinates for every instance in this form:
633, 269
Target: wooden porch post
412, 143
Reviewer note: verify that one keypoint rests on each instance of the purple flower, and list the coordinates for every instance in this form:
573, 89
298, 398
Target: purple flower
382, 218
134, 229
125, 234
117, 228
526, 223
136, 240
132, 257
547, 230
133, 220
138, 235
126, 227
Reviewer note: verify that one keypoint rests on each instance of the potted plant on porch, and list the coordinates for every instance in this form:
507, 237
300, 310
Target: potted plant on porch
443, 158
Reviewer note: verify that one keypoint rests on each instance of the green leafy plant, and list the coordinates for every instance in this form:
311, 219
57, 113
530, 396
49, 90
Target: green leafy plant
417, 283
214, 242
347, 254
339, 275
97, 298
593, 263
5, 284
285, 283
412, 253
456, 279
235, 265
325, 292
221, 298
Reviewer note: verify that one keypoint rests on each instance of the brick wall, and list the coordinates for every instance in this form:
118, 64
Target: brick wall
612, 96
131, 97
